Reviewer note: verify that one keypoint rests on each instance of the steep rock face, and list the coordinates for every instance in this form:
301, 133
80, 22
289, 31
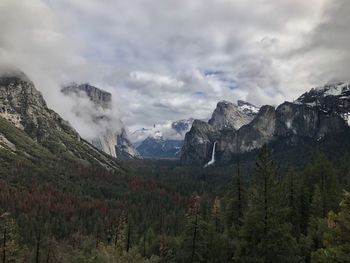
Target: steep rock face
24, 107
229, 116
222, 128
333, 98
106, 142
198, 143
315, 114
296, 119
259, 131
249, 137
97, 96
125, 149
302, 120
110, 140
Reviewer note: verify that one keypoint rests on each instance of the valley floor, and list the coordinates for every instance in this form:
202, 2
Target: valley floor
158, 211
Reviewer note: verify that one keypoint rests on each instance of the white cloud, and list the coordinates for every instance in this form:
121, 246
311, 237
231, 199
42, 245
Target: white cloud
154, 56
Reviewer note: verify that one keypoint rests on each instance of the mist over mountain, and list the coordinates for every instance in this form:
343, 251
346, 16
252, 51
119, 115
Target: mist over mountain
201, 131
111, 136
161, 141
314, 115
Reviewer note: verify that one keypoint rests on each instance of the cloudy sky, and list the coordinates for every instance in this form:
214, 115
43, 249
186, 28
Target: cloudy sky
174, 59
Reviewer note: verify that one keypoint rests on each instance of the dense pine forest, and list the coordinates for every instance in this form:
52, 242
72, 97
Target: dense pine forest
174, 131
157, 211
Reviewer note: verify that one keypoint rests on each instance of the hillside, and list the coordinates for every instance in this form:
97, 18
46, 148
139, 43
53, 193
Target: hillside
32, 133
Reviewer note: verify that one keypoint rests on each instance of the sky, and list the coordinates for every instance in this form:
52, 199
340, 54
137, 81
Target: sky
175, 59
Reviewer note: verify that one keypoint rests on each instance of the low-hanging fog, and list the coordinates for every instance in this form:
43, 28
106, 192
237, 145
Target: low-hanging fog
161, 66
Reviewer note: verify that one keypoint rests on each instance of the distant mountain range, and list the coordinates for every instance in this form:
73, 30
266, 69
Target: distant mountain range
242, 128
234, 129
161, 141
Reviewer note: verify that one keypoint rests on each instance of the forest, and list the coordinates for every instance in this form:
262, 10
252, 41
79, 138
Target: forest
158, 211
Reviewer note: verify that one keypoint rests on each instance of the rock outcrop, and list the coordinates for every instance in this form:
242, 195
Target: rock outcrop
315, 114
111, 138
23, 106
230, 116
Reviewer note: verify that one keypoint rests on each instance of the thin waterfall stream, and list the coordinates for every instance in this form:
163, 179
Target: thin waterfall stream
212, 161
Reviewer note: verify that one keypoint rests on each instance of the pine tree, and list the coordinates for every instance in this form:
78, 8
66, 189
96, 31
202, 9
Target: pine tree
293, 194
9, 247
322, 173
316, 226
337, 238
266, 234
194, 247
216, 237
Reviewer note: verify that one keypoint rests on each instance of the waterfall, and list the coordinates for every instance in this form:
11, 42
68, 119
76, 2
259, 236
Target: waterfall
212, 161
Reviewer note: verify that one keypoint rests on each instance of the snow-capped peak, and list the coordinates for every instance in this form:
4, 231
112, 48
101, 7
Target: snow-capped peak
333, 98
335, 89
247, 107
169, 130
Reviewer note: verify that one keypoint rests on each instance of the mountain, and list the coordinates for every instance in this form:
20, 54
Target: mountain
333, 97
111, 139
182, 126
162, 141
31, 133
232, 116
316, 114
157, 148
248, 108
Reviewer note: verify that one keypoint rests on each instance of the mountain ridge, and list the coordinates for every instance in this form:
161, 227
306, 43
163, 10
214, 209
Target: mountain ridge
313, 115
24, 113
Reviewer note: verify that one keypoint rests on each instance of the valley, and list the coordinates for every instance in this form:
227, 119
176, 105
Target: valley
68, 199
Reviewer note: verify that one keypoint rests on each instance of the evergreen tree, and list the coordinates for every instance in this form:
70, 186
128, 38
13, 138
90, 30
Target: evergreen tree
293, 201
317, 225
216, 238
266, 234
194, 247
337, 238
322, 173
9, 247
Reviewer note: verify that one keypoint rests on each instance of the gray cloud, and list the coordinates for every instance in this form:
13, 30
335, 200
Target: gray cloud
167, 60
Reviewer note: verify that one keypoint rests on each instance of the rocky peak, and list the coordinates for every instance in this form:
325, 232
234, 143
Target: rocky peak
303, 120
23, 105
198, 143
182, 126
248, 108
97, 96
124, 148
229, 116
318, 95
111, 140
315, 114
332, 98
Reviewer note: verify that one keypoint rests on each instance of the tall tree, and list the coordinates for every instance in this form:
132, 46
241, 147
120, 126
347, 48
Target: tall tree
266, 234
337, 238
316, 226
10, 250
194, 245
